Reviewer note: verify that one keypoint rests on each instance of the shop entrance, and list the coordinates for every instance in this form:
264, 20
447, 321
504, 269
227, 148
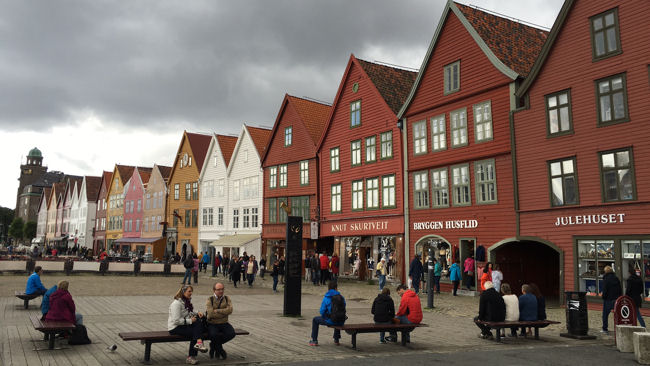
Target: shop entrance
467, 247
441, 252
530, 262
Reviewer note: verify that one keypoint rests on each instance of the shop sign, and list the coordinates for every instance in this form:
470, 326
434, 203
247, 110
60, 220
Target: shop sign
365, 227
314, 230
624, 311
612, 218
449, 224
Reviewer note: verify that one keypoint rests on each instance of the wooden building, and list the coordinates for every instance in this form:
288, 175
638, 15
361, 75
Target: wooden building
115, 210
154, 201
99, 234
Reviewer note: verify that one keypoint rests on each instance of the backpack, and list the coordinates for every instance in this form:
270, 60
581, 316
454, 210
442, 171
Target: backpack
79, 335
337, 315
189, 263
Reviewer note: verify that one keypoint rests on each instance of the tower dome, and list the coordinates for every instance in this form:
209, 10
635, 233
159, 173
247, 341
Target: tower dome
35, 153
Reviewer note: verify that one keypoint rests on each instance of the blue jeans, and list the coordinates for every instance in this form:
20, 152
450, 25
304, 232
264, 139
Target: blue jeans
318, 321
639, 317
251, 279
382, 283
436, 282
403, 319
608, 306
382, 334
275, 282
188, 275
416, 284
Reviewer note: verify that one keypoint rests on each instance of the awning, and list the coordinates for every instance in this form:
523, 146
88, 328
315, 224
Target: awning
235, 240
138, 240
37, 240
59, 238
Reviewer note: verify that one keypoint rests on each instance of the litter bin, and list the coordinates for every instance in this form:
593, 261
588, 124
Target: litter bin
577, 321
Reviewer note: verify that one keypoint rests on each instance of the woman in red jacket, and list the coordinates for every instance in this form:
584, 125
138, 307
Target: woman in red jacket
62, 306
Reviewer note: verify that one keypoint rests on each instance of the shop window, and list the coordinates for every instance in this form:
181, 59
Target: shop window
371, 149
421, 190
458, 127
636, 255
438, 133
483, 121
605, 38
564, 182
460, 184
486, 181
617, 175
440, 188
420, 138
357, 195
558, 113
612, 100
387, 145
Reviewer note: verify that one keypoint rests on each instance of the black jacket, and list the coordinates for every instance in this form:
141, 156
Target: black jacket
491, 306
634, 289
383, 308
611, 287
235, 268
541, 308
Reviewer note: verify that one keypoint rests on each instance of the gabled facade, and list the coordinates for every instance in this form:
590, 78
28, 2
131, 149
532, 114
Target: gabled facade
457, 140
292, 151
83, 212
71, 202
360, 165
243, 220
134, 202
155, 198
99, 236
53, 217
183, 201
115, 211
213, 203
41, 224
586, 193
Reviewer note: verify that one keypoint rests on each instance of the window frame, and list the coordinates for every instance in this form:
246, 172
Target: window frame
476, 123
177, 191
626, 118
338, 195
454, 200
391, 191
335, 158
558, 107
446, 87
288, 136
273, 210
369, 190
371, 148
284, 167
434, 189
478, 183
562, 176
235, 218
355, 110
304, 172
389, 142
440, 136
452, 129
592, 35
273, 177
630, 151
356, 192
357, 151
417, 140
416, 204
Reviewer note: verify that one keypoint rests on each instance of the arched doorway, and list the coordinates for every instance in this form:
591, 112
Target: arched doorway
442, 252
530, 261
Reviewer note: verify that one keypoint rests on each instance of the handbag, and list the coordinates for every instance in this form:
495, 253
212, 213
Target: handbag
378, 272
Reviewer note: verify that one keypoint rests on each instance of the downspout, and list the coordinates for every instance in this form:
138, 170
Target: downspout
405, 189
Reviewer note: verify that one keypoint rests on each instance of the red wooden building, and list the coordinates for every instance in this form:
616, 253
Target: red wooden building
582, 151
460, 196
361, 167
291, 174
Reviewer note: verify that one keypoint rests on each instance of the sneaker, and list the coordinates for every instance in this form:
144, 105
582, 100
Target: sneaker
604, 332
313, 343
201, 347
382, 341
336, 342
191, 361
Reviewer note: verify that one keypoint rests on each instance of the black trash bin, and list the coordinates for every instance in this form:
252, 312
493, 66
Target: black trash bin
577, 320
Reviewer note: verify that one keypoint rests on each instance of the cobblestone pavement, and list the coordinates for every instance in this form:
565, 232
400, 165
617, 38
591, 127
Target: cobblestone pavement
113, 304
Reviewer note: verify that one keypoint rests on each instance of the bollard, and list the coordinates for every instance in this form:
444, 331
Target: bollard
430, 289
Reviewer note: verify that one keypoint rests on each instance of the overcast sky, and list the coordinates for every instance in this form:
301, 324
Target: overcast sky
94, 83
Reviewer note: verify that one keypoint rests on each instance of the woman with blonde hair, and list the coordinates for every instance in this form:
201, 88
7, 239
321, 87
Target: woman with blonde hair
512, 307
185, 322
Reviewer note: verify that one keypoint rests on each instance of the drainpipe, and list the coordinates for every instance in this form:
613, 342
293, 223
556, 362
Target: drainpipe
405, 188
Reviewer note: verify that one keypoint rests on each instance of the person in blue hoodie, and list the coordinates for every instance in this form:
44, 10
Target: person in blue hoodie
455, 276
326, 315
34, 284
45, 304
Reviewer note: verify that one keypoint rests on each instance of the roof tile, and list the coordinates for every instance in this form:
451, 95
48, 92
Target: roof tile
199, 144
313, 114
227, 145
260, 137
92, 187
392, 83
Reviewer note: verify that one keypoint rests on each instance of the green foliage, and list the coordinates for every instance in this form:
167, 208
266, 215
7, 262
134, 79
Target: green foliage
6, 215
29, 230
16, 228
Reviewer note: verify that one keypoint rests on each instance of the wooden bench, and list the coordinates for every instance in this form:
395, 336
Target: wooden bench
518, 324
50, 329
354, 329
162, 336
23, 296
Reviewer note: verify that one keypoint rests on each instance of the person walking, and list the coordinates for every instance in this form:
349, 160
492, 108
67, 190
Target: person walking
308, 267
468, 269
634, 289
611, 292
437, 273
281, 264
381, 273
415, 272
218, 307
235, 270
225, 265
334, 264
383, 309
324, 271
274, 274
497, 277
188, 263
455, 276
262, 267
251, 270
183, 321
196, 268
315, 270
217, 263
205, 261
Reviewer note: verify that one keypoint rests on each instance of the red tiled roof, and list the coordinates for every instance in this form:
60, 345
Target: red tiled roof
92, 187
126, 171
260, 137
145, 174
56, 190
165, 171
393, 84
515, 44
227, 145
313, 114
72, 179
199, 144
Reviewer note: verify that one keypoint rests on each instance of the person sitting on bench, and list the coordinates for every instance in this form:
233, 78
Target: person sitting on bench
34, 284
183, 321
409, 311
219, 306
527, 307
62, 307
45, 303
491, 308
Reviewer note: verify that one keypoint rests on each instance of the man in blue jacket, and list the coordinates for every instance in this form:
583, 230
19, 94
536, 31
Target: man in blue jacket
329, 314
527, 307
415, 272
34, 284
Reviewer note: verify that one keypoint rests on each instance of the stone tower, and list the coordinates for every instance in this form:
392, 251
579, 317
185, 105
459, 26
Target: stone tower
31, 174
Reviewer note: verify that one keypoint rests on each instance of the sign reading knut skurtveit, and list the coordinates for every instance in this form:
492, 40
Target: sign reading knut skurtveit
447, 225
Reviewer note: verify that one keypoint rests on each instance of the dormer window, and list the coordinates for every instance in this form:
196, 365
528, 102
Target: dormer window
288, 136
452, 77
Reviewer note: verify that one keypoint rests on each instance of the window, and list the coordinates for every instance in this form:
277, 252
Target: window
273, 211
486, 181
452, 77
282, 214
420, 138
355, 147
458, 127
220, 216
137, 225
387, 145
300, 207
440, 188
208, 189
188, 191
460, 184
605, 39
357, 195
612, 100
273, 176
558, 113
139, 205
355, 113
146, 224
388, 191
483, 121
594, 255
438, 133
617, 175
288, 136
564, 182
246, 218
175, 218
215, 159
221, 184
304, 172
254, 217
235, 189
188, 217
177, 189
420, 190
336, 198
147, 202
283, 175
245, 156
195, 191
371, 149
372, 193
204, 217
334, 160
235, 218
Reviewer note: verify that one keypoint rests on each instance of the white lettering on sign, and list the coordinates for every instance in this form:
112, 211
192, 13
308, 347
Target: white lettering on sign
612, 218
450, 224
360, 226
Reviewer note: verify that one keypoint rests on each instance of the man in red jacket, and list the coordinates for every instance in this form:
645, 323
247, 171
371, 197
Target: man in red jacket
335, 266
410, 310
324, 271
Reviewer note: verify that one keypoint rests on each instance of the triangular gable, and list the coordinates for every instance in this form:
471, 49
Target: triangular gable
92, 187
504, 65
222, 143
546, 49
260, 137
246, 131
199, 145
393, 84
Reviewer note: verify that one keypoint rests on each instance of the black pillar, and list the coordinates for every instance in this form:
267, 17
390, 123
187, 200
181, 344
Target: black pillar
293, 267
